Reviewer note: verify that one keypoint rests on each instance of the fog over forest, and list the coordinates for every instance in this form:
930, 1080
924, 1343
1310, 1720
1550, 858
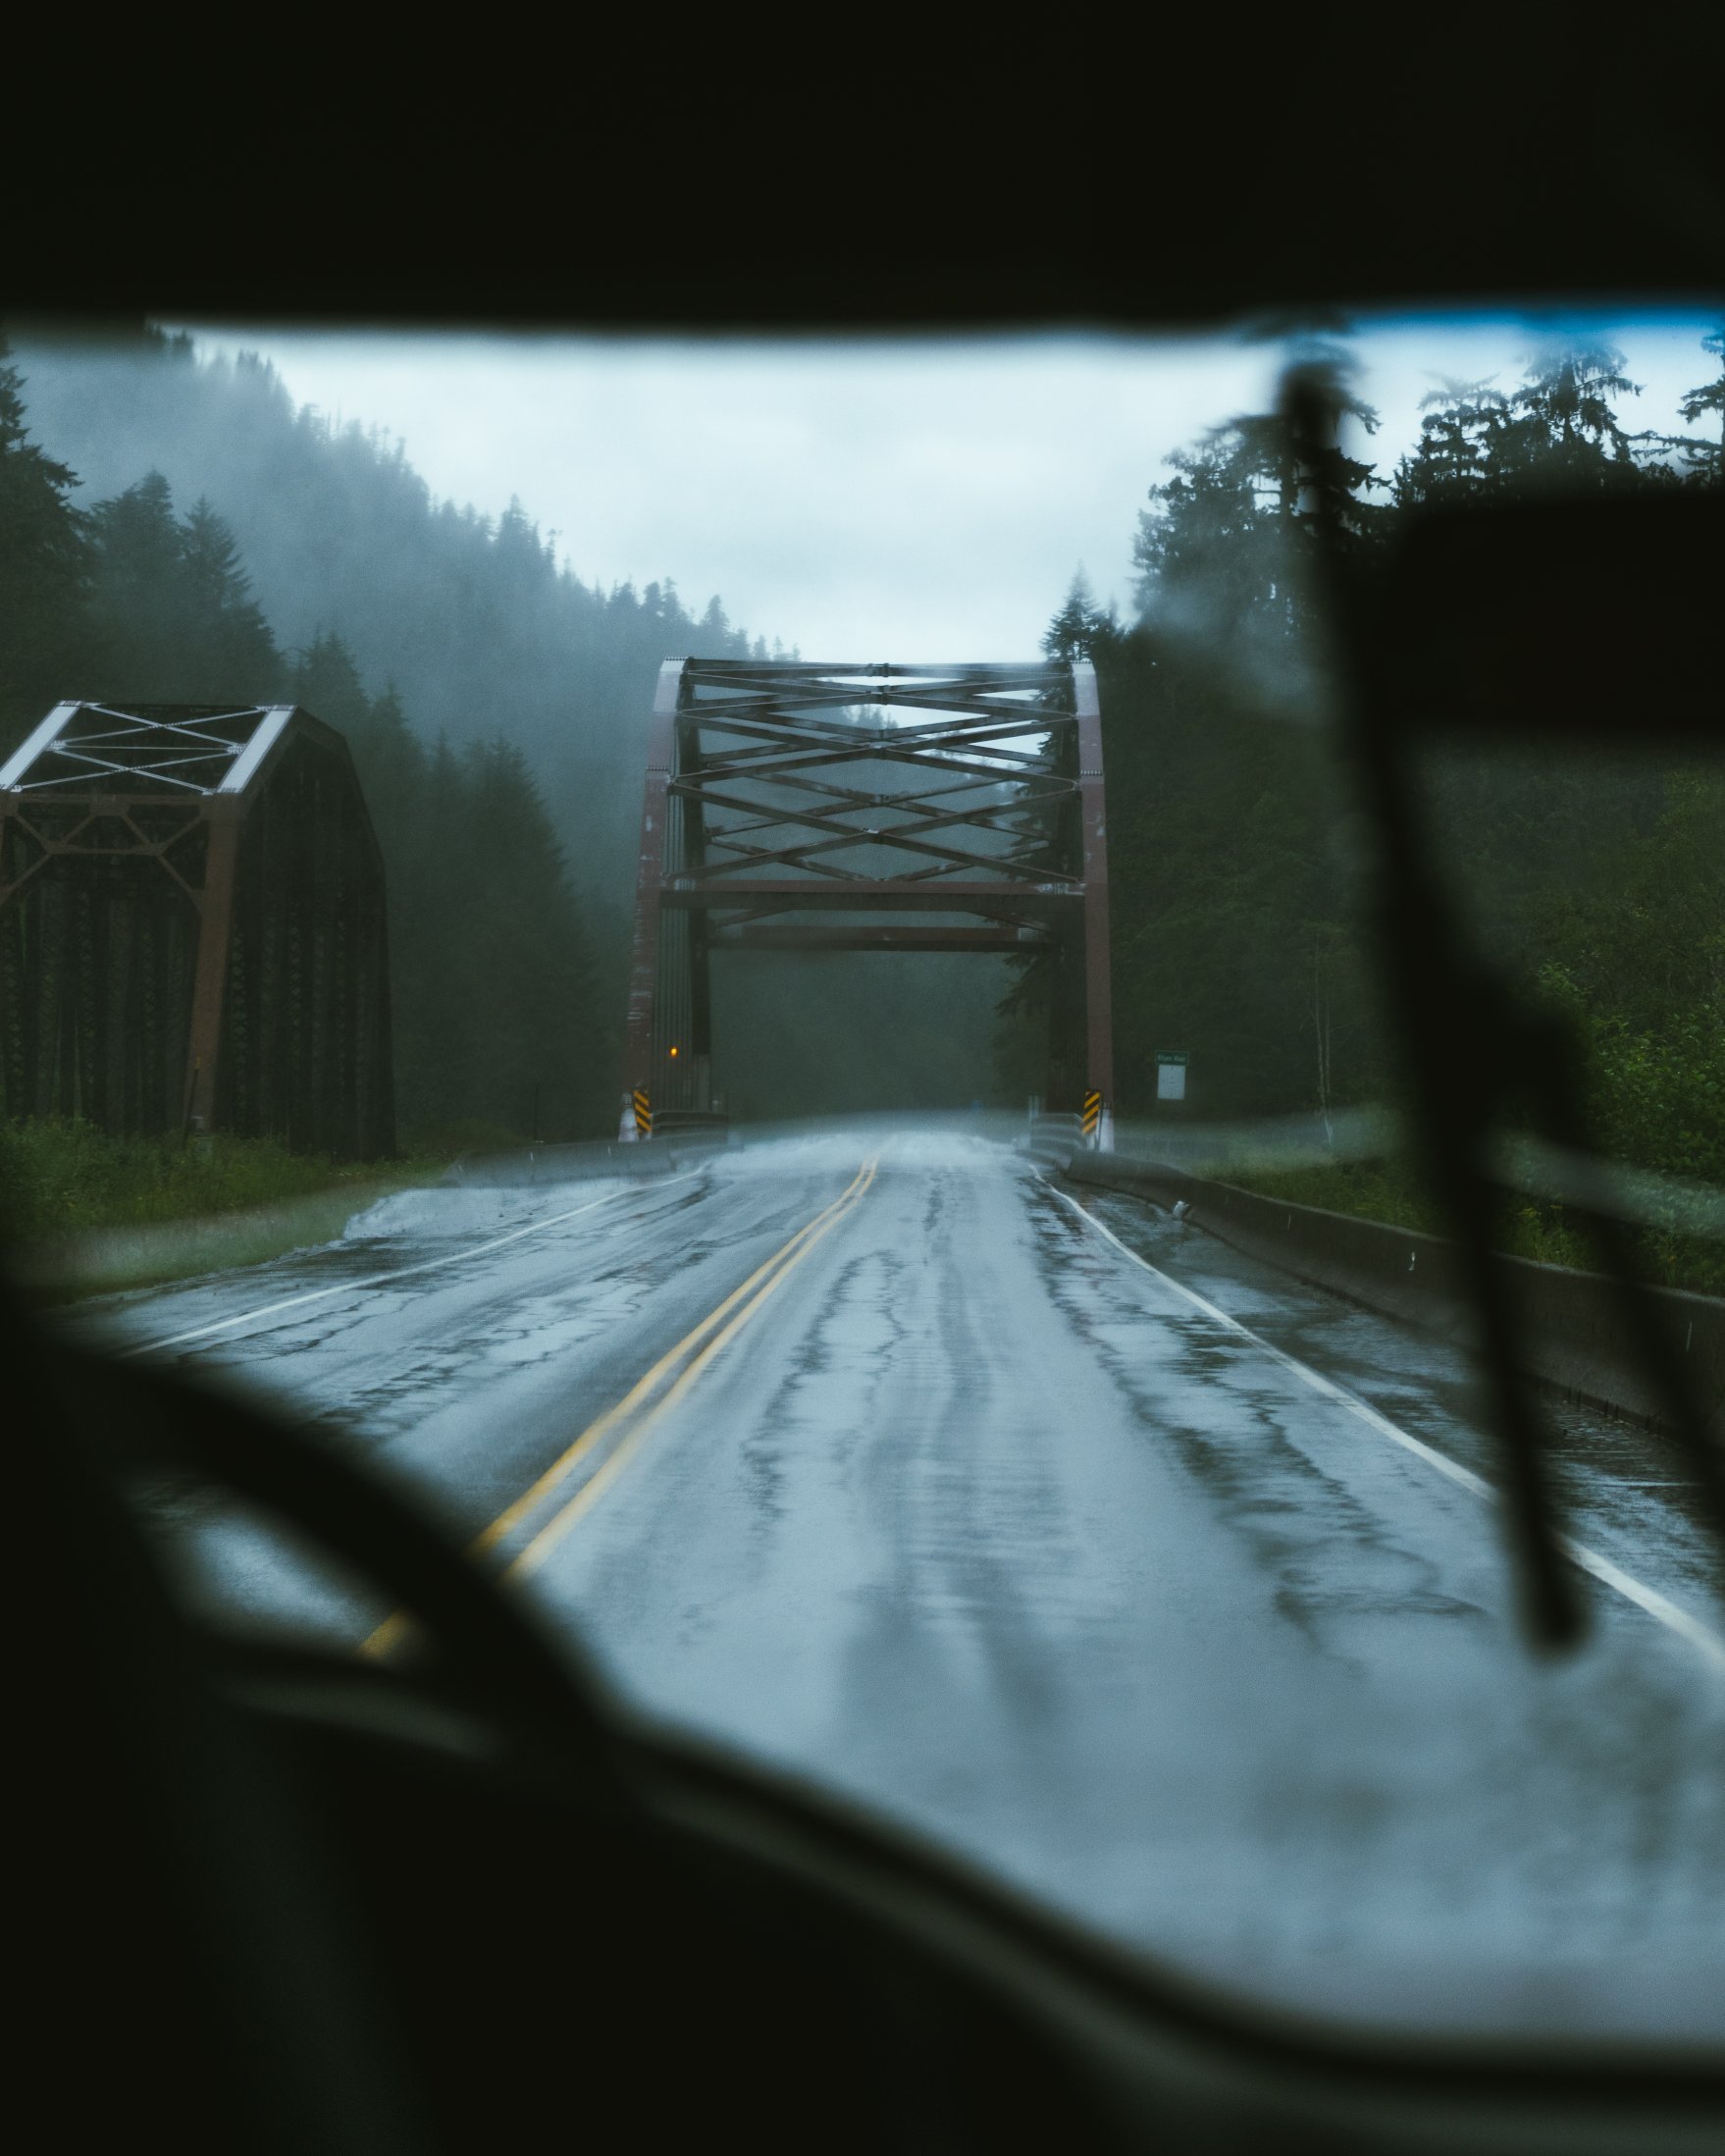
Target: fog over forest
407, 622
221, 542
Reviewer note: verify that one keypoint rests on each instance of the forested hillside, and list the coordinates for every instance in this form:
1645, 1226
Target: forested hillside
222, 542
1237, 935
471, 621
147, 594
176, 529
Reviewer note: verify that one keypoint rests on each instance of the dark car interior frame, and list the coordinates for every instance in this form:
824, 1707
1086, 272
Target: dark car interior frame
297, 1901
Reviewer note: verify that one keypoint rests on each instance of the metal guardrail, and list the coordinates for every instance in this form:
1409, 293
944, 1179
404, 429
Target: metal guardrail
1053, 1136
1568, 1323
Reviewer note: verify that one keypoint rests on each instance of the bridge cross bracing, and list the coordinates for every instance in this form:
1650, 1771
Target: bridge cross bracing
193, 929
794, 806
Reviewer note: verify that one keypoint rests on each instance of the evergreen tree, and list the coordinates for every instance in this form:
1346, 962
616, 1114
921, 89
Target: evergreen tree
326, 680
137, 600
1080, 626
494, 983
1236, 941
1224, 551
172, 618
386, 753
342, 536
390, 761
1706, 459
1562, 424
222, 619
499, 1024
1198, 545
1557, 428
1457, 451
44, 567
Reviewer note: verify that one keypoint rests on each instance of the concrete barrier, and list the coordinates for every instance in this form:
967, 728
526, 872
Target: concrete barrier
583, 1160
1569, 1323
680, 1123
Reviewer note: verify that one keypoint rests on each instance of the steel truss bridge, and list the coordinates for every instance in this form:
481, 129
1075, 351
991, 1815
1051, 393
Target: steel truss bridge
794, 806
192, 928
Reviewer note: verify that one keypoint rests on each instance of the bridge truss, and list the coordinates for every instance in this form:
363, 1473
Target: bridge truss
803, 808
192, 931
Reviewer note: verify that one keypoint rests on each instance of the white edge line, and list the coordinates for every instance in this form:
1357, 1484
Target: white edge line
375, 1279
1706, 1642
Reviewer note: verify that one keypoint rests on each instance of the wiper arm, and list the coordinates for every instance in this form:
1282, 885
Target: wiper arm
1464, 627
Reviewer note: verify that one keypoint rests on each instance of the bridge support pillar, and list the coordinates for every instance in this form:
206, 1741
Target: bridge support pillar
209, 992
1098, 985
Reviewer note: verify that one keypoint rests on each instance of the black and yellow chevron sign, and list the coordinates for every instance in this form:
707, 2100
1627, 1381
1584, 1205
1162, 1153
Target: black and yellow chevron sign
643, 1113
1092, 1112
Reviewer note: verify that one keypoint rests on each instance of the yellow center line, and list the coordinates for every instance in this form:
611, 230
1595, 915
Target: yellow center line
789, 1255
594, 1487
512, 1515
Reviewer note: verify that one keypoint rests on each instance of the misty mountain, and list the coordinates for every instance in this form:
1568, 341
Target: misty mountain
469, 619
222, 543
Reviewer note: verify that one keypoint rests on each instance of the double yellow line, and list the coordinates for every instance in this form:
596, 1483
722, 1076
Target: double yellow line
639, 1412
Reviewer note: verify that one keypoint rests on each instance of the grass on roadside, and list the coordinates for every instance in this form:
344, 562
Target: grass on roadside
61, 1177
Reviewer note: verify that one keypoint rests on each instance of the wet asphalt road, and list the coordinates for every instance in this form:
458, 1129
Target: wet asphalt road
964, 1513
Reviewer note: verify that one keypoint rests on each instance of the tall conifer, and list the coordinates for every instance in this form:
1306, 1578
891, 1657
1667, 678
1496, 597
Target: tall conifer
44, 568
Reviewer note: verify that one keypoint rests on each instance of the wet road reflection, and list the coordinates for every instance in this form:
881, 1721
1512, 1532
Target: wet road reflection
982, 1524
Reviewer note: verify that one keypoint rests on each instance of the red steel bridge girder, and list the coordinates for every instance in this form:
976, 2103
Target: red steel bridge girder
860, 794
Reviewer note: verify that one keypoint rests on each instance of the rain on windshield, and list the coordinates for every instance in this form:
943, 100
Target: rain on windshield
794, 1041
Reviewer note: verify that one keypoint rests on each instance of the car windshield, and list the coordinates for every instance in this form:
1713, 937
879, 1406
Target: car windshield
770, 974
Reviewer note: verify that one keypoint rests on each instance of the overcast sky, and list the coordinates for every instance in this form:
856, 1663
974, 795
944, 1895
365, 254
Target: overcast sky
906, 500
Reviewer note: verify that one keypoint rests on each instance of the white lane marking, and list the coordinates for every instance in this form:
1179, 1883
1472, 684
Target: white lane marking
375, 1279
1706, 1642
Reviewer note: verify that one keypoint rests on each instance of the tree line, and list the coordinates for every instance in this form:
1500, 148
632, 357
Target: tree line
474, 618
239, 547
474, 627
502, 1026
1238, 933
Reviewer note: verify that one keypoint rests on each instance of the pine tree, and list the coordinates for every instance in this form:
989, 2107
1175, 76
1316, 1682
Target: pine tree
341, 534
1562, 422
44, 567
1224, 553
326, 680
1559, 427
391, 763
223, 619
1458, 443
1706, 459
387, 752
494, 977
1080, 625
713, 634
137, 600
170, 614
